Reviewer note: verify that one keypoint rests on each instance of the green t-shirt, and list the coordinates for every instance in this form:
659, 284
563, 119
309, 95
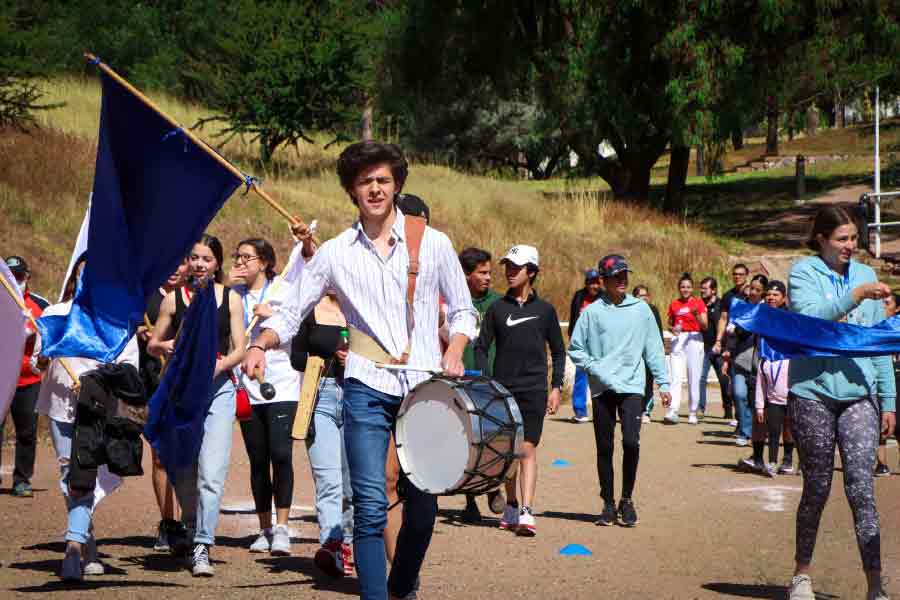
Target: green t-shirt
481, 305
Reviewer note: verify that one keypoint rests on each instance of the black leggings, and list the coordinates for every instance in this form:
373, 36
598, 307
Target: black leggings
775, 418
629, 408
267, 437
25, 420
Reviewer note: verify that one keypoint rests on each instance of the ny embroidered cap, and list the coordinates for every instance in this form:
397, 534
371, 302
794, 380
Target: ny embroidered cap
17, 265
611, 264
522, 255
591, 274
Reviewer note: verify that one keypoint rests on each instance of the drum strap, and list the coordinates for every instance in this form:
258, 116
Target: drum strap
364, 344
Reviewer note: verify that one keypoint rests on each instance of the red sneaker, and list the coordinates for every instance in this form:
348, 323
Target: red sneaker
330, 559
347, 555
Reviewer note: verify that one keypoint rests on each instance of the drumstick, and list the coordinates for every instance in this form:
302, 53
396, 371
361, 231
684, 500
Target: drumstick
65, 365
266, 389
422, 369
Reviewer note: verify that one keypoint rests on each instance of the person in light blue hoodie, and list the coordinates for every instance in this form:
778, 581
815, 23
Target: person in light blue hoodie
834, 400
614, 337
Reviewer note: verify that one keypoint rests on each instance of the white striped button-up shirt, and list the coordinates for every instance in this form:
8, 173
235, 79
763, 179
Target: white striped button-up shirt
371, 291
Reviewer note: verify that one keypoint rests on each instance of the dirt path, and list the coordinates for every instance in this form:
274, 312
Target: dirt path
706, 532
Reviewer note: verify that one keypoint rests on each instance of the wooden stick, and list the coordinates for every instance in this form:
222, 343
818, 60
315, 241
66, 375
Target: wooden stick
197, 141
162, 358
21, 303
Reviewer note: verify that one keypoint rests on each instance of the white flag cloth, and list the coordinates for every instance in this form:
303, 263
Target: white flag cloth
80, 246
12, 342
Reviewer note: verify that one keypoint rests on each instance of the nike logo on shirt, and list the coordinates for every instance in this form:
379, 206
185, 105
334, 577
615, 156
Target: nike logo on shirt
510, 322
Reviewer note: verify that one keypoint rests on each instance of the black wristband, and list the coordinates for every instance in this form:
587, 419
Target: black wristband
250, 347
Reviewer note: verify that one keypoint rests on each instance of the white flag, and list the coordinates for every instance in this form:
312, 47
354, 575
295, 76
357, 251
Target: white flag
80, 246
12, 342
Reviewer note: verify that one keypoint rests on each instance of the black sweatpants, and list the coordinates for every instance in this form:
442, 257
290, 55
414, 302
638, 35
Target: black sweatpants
267, 437
629, 408
25, 422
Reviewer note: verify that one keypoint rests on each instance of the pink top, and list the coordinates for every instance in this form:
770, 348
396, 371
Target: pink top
772, 383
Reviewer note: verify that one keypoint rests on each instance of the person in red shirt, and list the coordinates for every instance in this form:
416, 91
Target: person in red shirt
688, 319
22, 408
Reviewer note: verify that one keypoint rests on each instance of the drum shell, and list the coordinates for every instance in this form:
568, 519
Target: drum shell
471, 452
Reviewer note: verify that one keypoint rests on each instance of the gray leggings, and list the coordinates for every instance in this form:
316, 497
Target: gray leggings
855, 427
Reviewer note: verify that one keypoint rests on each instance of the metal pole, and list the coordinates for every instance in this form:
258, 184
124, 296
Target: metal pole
877, 182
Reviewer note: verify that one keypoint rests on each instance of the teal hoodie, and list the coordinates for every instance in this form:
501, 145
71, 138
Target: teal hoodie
817, 291
612, 342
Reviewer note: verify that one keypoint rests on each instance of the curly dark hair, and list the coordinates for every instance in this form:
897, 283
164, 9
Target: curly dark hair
362, 155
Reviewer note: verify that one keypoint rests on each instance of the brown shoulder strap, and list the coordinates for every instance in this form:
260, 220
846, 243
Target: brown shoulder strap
415, 231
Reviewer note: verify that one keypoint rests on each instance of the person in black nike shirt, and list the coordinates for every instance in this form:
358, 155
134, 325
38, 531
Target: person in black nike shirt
522, 325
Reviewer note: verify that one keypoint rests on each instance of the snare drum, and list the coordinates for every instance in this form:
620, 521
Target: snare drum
458, 436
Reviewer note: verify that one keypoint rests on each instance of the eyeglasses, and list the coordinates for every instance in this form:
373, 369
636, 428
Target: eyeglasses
243, 258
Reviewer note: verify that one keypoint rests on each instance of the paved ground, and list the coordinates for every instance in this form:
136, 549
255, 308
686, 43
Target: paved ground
706, 531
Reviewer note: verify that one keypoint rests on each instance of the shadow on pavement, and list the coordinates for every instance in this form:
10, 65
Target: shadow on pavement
92, 584
162, 562
569, 516
742, 590
717, 442
52, 565
729, 466
306, 566
454, 517
720, 434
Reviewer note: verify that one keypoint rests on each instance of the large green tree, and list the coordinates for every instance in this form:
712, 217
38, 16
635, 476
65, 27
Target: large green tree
282, 71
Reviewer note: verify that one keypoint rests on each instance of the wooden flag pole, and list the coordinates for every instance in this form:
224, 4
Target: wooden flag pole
21, 303
197, 141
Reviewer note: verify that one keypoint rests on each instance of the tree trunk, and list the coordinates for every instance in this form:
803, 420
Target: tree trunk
812, 120
366, 123
840, 116
675, 184
737, 138
701, 164
772, 126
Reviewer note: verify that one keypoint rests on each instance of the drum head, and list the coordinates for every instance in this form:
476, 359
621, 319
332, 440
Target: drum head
432, 440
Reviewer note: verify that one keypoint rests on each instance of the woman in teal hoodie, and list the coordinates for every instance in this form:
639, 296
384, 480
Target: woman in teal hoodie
834, 399
613, 339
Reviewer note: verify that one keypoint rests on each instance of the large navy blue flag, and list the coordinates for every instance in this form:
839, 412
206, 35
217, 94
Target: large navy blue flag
788, 335
154, 194
178, 408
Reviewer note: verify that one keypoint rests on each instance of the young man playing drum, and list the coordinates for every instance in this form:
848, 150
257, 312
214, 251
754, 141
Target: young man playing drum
523, 325
369, 267
613, 340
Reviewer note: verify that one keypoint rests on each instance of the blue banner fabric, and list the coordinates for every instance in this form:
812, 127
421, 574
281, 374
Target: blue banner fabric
178, 408
154, 194
790, 335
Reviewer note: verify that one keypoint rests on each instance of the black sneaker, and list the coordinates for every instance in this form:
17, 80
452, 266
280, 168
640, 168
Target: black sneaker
608, 516
627, 515
470, 513
882, 470
179, 538
729, 414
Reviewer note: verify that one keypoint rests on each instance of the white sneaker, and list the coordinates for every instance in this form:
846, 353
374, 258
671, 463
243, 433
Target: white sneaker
671, 418
692, 419
263, 543
645, 419
281, 541
801, 588
200, 563
526, 523
879, 594
742, 441
733, 423
510, 518
584, 419
71, 566
92, 564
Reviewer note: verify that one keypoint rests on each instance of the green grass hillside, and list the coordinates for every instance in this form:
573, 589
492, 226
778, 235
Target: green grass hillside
48, 173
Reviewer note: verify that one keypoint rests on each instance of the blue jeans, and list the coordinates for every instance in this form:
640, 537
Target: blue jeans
713, 361
369, 417
328, 461
580, 393
80, 508
200, 487
741, 394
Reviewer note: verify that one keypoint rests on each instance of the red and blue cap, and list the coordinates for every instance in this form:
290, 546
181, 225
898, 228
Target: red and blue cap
611, 264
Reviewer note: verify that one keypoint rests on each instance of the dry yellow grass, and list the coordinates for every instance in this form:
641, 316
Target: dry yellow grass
54, 170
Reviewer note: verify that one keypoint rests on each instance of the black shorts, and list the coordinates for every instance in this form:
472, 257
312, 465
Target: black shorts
533, 406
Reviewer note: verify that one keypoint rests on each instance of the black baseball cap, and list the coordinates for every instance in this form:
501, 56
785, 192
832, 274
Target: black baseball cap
777, 285
17, 265
612, 264
413, 206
